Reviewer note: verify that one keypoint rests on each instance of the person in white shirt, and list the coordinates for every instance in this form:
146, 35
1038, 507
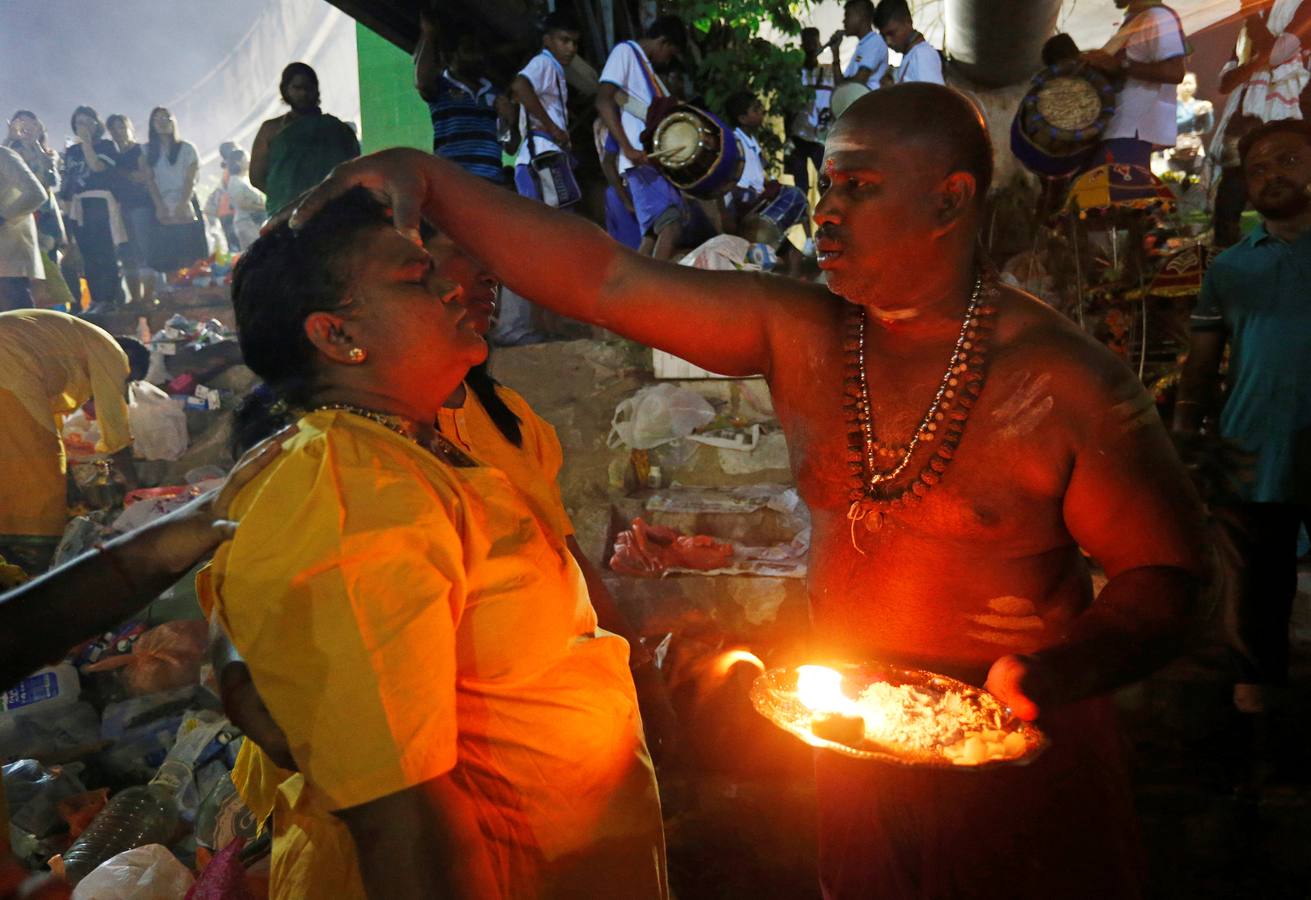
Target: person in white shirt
808, 125
630, 70
244, 199
542, 93
920, 60
869, 63
747, 113
21, 194
1148, 51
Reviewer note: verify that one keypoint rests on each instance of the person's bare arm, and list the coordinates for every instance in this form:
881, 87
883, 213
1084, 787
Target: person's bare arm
93, 160
718, 320
1129, 504
607, 107
1199, 385
427, 66
524, 94
41, 619
259, 153
421, 843
1165, 71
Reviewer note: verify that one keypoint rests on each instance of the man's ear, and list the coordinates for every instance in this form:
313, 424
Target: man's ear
955, 198
328, 333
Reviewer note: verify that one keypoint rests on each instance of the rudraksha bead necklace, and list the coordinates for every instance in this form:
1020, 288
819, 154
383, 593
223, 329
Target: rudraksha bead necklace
871, 493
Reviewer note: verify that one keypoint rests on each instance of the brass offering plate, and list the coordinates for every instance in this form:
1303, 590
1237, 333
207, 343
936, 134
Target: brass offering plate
911, 717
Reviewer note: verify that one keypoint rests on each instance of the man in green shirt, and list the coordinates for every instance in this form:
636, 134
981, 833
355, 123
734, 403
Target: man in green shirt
1256, 298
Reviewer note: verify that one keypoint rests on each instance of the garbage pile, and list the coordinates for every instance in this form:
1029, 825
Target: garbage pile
117, 769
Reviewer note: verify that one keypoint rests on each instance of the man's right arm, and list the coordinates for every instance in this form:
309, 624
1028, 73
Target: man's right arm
1199, 385
717, 320
607, 107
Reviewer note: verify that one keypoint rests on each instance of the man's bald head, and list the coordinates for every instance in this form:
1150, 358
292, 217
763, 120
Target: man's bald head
941, 120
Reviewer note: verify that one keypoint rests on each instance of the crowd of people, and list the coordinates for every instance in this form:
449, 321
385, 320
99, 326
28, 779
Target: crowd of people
404, 572
121, 216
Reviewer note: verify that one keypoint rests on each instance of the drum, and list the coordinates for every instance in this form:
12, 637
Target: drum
769, 221
697, 152
1061, 119
844, 95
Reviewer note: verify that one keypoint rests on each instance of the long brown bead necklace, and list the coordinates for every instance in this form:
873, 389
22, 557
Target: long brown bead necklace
871, 493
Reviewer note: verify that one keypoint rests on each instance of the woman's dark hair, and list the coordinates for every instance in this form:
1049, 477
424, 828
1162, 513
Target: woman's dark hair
87, 111
153, 144
483, 385
278, 281
290, 72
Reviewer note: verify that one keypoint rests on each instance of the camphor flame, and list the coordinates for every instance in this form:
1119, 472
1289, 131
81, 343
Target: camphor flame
819, 688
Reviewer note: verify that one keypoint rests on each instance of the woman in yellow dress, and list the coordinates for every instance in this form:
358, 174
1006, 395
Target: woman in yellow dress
420, 634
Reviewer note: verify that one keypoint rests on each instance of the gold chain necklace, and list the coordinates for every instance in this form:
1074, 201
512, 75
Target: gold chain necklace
440, 447
870, 493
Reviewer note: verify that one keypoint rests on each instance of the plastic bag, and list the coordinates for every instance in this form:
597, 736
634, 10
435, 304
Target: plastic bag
145, 873
159, 427
657, 415
165, 658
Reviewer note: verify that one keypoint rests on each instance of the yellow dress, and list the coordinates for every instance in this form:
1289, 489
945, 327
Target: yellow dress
51, 363
402, 618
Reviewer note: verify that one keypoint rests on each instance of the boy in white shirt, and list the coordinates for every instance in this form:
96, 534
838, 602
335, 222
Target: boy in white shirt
542, 93
920, 60
630, 71
747, 113
869, 63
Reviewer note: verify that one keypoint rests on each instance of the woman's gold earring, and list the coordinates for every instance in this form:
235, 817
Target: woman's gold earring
357, 354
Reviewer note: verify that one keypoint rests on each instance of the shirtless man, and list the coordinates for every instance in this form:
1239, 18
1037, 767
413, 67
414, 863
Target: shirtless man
981, 576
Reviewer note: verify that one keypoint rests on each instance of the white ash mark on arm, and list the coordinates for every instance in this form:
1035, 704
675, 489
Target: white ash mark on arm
1028, 403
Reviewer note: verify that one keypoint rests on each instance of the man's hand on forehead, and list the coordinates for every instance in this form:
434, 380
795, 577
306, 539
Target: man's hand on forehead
396, 177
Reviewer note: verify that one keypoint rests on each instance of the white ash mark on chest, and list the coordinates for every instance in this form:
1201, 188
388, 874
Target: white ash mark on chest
1028, 402
1006, 622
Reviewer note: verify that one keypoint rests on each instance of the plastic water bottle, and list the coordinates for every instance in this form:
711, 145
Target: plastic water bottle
134, 817
43, 690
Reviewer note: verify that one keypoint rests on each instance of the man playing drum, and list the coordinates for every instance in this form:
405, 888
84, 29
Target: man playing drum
1148, 51
949, 540
631, 70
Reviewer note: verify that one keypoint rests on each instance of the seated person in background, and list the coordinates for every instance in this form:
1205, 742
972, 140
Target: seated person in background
472, 729
920, 60
761, 211
51, 364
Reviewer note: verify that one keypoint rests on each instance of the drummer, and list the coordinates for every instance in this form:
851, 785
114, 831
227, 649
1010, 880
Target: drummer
631, 71
869, 63
747, 113
1148, 53
542, 93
